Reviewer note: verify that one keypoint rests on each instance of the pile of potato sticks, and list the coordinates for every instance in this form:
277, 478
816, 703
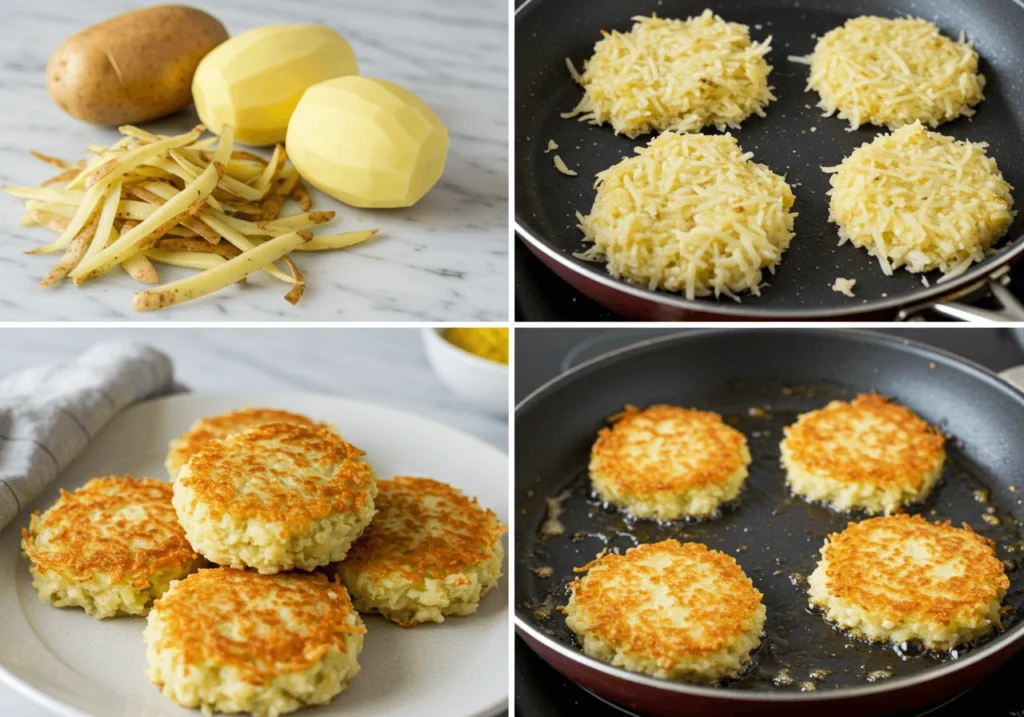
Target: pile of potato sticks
183, 201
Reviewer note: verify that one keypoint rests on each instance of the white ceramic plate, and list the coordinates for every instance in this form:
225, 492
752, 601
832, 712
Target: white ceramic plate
77, 665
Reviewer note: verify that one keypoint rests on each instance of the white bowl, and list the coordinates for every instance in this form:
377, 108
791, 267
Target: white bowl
479, 381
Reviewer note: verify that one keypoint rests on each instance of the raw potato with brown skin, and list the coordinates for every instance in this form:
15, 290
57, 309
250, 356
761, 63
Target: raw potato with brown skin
134, 67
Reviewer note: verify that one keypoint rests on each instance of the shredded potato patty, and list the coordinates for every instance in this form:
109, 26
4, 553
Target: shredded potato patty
678, 75
894, 72
690, 213
921, 200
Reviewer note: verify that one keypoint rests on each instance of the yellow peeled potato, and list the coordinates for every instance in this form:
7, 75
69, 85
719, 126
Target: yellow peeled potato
254, 80
367, 142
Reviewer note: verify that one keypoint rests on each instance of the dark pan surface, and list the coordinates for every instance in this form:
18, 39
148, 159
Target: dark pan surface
546, 201
772, 535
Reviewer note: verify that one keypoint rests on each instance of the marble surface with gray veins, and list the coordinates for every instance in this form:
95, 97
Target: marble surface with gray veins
445, 258
384, 366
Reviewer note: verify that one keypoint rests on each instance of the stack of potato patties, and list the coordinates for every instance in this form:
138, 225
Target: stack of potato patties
296, 521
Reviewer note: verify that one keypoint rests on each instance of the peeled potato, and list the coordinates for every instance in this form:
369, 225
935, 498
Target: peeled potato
367, 142
254, 80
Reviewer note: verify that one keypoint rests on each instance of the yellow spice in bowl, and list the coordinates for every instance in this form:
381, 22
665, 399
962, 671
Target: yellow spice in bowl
490, 344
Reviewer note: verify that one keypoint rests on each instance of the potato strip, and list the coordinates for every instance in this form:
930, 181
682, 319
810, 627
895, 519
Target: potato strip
203, 144
289, 183
301, 195
82, 215
108, 212
119, 166
52, 161
152, 227
227, 183
183, 200
73, 254
295, 295
243, 244
140, 268
137, 266
63, 177
91, 166
126, 209
186, 259
294, 222
338, 241
243, 171
46, 194
271, 171
192, 223
227, 141
172, 168
198, 246
224, 275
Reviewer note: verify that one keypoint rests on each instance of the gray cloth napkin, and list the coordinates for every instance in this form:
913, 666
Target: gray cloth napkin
49, 414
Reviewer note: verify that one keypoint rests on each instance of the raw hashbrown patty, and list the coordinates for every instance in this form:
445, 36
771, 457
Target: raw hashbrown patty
236, 641
672, 610
678, 75
893, 72
921, 200
870, 454
110, 547
693, 214
276, 497
216, 427
667, 462
429, 552
900, 578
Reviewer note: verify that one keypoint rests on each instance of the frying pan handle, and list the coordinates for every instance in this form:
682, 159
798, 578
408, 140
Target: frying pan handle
1011, 310
1014, 375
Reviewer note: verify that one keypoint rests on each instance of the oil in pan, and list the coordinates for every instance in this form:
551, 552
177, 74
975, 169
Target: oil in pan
775, 537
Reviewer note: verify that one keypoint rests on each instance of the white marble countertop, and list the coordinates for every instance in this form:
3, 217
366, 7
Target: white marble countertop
445, 259
386, 366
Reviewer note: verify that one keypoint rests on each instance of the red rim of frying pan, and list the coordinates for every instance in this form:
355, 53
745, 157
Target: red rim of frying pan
994, 653
641, 302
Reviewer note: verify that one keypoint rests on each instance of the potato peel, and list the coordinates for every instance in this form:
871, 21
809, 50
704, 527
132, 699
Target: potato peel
224, 275
150, 198
72, 255
295, 295
151, 228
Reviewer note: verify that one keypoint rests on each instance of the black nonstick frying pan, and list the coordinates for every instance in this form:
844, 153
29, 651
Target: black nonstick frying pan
794, 139
803, 666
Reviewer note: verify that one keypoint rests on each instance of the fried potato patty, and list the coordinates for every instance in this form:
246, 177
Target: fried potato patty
276, 497
111, 547
429, 552
870, 454
673, 610
666, 462
900, 578
236, 641
216, 427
